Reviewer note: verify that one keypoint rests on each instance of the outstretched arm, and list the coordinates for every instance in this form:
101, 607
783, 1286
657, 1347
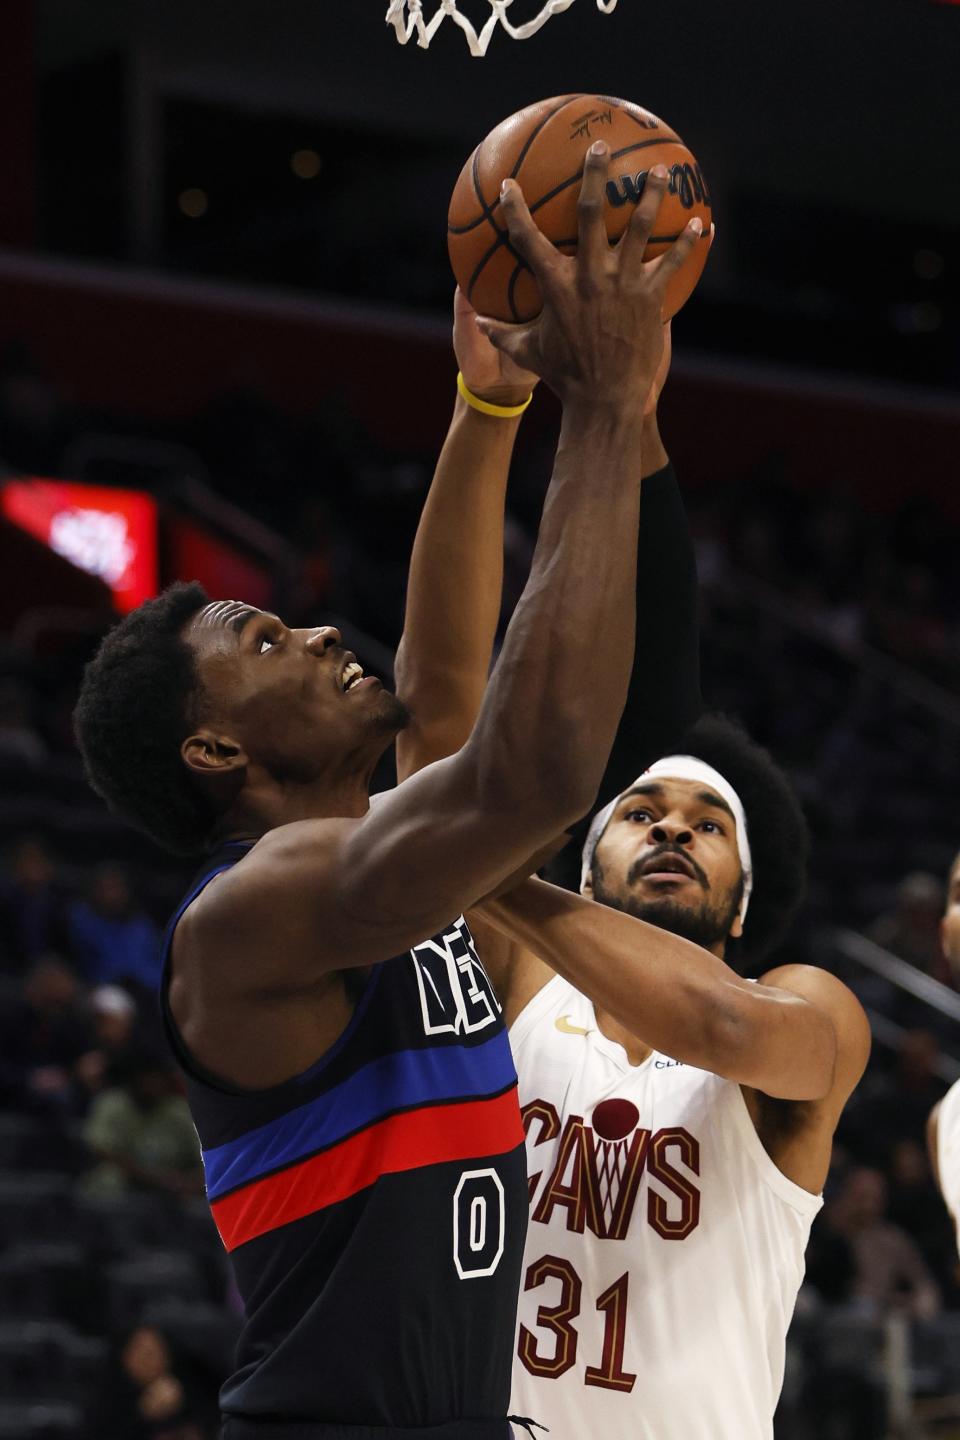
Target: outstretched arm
456, 574
456, 569
797, 1035
663, 698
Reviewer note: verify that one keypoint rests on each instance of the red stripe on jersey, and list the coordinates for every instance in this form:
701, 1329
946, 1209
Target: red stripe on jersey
429, 1136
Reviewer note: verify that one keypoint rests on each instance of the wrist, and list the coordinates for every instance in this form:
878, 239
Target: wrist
485, 429
602, 421
507, 395
500, 397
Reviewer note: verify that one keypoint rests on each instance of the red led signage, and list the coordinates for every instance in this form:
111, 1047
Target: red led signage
109, 533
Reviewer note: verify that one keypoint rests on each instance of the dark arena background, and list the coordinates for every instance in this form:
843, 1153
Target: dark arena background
225, 354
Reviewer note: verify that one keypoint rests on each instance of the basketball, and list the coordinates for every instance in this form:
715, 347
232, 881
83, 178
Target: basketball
543, 147
615, 1119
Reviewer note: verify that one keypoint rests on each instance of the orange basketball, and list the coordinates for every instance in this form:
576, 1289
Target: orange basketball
543, 149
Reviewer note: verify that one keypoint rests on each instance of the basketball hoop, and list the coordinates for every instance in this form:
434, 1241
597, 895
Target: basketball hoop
406, 17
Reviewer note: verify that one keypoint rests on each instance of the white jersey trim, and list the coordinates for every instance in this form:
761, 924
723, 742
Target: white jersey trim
792, 1194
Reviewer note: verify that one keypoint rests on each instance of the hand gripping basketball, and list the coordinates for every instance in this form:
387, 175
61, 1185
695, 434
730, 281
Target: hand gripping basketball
599, 337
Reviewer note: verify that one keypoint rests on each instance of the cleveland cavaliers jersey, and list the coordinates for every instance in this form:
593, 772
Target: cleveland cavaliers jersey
948, 1150
374, 1206
665, 1249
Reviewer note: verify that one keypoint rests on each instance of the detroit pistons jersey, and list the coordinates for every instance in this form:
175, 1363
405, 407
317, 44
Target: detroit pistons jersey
948, 1151
374, 1206
665, 1249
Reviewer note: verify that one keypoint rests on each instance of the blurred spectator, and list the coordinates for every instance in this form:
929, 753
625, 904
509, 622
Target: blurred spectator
33, 905
111, 937
150, 1396
917, 1207
911, 928
113, 1018
42, 1038
916, 1084
19, 738
893, 1105
881, 1266
141, 1133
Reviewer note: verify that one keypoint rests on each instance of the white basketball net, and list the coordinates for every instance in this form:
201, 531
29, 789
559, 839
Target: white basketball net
406, 17
612, 1158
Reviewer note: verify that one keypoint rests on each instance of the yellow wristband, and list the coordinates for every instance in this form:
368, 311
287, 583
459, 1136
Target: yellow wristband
502, 412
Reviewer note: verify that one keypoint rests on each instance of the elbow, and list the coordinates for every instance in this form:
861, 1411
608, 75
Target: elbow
729, 1039
537, 784
758, 1047
566, 784
560, 808
551, 803
540, 815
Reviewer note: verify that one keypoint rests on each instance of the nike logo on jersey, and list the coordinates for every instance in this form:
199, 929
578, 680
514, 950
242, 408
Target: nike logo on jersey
565, 1027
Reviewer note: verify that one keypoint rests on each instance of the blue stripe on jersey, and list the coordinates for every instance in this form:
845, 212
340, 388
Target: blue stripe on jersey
395, 1082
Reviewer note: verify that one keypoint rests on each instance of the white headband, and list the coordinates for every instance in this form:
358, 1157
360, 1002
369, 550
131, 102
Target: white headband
682, 767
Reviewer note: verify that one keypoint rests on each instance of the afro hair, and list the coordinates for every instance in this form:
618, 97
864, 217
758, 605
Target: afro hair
139, 697
779, 838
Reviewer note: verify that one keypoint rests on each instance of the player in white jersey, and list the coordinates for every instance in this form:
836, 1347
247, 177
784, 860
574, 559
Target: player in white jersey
943, 1127
679, 1118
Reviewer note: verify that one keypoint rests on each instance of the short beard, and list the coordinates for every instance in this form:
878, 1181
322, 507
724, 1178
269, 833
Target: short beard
706, 924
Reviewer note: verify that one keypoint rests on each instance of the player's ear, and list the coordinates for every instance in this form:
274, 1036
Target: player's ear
208, 755
736, 929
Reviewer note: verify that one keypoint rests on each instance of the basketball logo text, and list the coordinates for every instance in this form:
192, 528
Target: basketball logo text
580, 128
595, 1181
686, 182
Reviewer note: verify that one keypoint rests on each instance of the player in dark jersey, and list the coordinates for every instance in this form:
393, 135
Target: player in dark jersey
346, 1062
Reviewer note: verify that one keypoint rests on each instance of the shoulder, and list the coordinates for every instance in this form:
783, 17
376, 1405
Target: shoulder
847, 1016
251, 921
273, 866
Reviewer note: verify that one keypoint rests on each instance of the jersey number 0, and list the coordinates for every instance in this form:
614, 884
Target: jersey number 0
479, 1221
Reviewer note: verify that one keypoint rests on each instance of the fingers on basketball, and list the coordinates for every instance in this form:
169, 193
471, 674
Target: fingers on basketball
526, 238
592, 243
643, 220
665, 266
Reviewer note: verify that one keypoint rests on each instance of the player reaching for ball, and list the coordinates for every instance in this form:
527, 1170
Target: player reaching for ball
345, 1058
943, 1126
679, 1118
